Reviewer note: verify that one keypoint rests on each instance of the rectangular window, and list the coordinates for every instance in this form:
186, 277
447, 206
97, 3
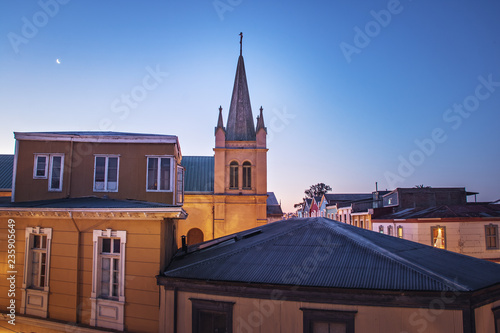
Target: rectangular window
106, 173
56, 172
491, 233
319, 321
389, 230
400, 231
180, 184
108, 280
212, 316
159, 174
381, 229
35, 289
438, 235
40, 167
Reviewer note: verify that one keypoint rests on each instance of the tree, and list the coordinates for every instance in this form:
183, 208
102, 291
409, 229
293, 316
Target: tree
317, 190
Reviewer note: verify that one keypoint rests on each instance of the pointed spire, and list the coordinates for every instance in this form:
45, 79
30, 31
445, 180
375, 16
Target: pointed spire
260, 121
240, 126
220, 123
241, 44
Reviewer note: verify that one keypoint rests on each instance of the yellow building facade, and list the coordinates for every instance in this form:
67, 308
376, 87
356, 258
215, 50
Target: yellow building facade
227, 192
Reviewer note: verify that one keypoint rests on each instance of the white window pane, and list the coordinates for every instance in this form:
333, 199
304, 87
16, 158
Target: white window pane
40, 166
55, 182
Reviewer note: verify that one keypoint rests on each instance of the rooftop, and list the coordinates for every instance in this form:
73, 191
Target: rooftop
469, 210
337, 255
6, 166
199, 176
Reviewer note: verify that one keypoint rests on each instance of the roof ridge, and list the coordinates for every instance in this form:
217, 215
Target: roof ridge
370, 246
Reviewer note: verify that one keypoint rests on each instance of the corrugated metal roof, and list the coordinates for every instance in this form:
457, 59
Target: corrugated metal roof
446, 211
333, 198
199, 176
6, 166
319, 252
97, 133
84, 202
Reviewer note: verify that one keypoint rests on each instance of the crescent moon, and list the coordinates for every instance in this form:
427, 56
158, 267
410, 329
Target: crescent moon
57, 60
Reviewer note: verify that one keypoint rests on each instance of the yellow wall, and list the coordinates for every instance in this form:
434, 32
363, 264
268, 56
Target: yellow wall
70, 288
256, 315
233, 213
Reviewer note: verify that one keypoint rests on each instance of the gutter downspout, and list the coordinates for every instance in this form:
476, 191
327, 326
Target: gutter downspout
213, 222
78, 261
175, 309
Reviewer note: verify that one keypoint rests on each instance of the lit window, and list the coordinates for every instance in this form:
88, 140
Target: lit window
36, 271
400, 231
247, 175
159, 174
56, 172
438, 237
180, 184
40, 167
212, 316
491, 232
233, 175
108, 288
381, 229
317, 321
106, 173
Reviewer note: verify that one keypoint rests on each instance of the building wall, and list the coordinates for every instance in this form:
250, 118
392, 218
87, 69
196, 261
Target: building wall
71, 265
485, 320
78, 172
258, 315
365, 218
462, 236
221, 215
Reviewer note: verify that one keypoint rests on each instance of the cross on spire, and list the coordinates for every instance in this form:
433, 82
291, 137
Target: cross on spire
241, 42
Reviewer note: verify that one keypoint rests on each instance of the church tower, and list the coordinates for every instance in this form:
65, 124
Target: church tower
240, 162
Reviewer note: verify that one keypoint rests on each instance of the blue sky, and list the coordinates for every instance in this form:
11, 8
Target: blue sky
396, 92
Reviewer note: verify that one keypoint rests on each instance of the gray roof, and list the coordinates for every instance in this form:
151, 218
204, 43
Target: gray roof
83, 202
273, 207
199, 176
333, 198
240, 125
337, 255
468, 210
99, 133
6, 166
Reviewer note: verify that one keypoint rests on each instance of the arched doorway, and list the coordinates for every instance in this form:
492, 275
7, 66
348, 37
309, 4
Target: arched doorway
194, 236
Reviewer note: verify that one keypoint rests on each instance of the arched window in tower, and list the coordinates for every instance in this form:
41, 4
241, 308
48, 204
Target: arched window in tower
194, 236
247, 175
233, 175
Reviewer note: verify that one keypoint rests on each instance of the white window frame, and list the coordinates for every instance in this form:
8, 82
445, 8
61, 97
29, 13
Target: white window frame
106, 166
172, 175
34, 300
179, 190
61, 175
35, 166
107, 312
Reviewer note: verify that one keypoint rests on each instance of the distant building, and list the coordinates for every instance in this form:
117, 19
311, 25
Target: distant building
319, 275
470, 228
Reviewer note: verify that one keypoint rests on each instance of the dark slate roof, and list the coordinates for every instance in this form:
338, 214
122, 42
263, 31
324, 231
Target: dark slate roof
199, 176
240, 125
6, 166
273, 207
84, 202
333, 198
446, 211
100, 133
337, 255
